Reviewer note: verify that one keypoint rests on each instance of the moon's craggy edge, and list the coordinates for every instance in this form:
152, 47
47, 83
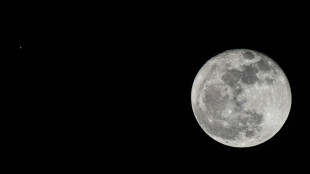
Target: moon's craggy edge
248, 123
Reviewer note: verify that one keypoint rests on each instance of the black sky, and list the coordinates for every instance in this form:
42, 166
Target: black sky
121, 82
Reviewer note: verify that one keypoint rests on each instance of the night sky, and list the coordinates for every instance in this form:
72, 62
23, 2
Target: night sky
97, 84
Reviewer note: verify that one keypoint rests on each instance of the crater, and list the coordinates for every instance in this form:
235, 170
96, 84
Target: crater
216, 126
217, 129
250, 124
248, 55
269, 80
249, 133
254, 117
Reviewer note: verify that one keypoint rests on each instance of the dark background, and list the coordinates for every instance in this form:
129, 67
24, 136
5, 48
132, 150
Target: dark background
115, 82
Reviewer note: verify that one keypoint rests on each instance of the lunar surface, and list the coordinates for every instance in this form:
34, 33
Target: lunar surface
241, 98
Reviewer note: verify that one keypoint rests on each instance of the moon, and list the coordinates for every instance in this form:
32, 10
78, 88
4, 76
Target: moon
241, 98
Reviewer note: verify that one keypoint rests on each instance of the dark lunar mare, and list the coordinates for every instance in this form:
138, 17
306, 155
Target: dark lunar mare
249, 75
231, 77
263, 65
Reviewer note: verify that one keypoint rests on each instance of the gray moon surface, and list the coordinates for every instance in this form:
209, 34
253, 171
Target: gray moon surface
241, 98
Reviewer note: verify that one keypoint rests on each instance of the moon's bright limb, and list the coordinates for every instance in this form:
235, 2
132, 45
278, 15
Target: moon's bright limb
241, 98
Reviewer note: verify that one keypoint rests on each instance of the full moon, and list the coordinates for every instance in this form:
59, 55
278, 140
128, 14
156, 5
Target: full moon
241, 98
